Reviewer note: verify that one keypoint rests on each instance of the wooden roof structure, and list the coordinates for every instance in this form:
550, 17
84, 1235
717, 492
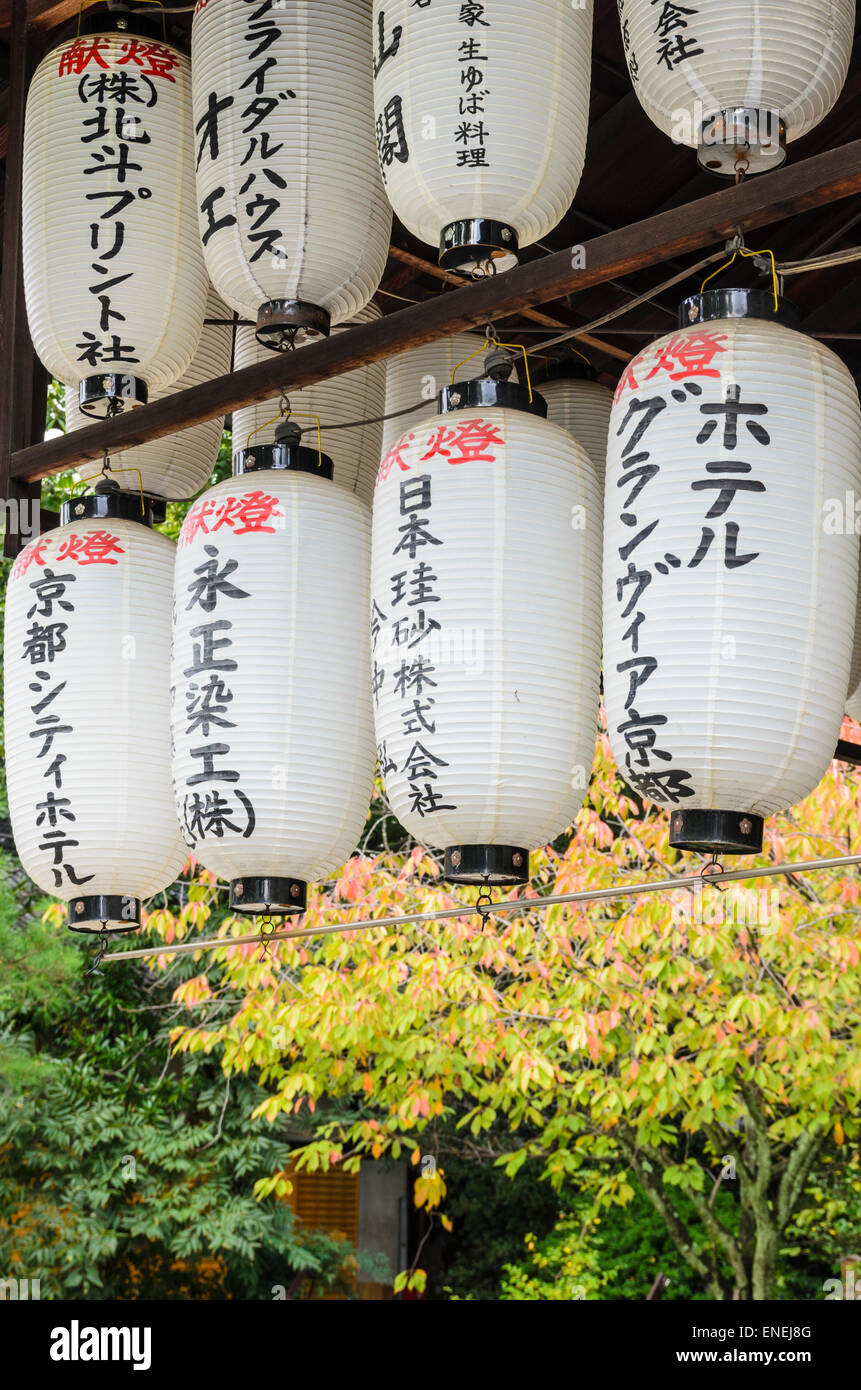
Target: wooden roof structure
644, 212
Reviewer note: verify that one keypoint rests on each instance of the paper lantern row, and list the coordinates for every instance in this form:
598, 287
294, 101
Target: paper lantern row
271, 161
728, 619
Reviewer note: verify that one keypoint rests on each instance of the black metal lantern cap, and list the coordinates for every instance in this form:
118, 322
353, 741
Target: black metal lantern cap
275, 897
294, 456
745, 138
731, 303
104, 912
475, 241
486, 864
716, 832
108, 393
279, 321
113, 505
119, 20
482, 392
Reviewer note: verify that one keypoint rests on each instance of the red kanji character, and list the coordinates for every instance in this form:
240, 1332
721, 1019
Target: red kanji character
472, 439
79, 55
691, 354
33, 554
251, 513
394, 457
627, 381
196, 521
153, 59
91, 548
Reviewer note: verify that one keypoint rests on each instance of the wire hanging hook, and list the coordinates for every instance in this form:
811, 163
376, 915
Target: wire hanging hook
484, 902
100, 952
266, 925
711, 871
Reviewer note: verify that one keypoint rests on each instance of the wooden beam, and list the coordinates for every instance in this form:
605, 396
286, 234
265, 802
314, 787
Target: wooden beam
24, 383
48, 14
42, 14
423, 267
755, 203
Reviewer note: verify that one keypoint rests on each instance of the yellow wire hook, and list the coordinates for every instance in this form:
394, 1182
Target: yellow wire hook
496, 343
743, 251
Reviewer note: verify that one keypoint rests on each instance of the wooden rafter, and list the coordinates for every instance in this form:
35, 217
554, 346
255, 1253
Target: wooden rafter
825, 178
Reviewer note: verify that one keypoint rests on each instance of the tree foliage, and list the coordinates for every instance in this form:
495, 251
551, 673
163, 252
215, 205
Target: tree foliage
125, 1172
640, 1044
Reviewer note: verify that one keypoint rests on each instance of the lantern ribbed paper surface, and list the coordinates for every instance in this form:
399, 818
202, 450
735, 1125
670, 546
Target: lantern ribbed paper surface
177, 465
853, 699
272, 723
289, 190
421, 373
721, 54
481, 111
113, 270
356, 395
728, 607
583, 409
87, 653
486, 628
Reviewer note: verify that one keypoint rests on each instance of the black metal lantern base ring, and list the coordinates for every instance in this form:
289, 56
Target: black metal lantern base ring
110, 506
473, 242
296, 457
486, 864
716, 832
742, 139
482, 392
99, 912
126, 22
280, 320
109, 393
731, 303
273, 897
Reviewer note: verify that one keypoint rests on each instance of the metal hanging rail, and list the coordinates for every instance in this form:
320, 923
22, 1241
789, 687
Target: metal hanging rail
586, 895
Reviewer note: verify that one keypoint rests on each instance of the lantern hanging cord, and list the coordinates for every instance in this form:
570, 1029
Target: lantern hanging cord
820, 262
376, 419
539, 348
587, 895
629, 304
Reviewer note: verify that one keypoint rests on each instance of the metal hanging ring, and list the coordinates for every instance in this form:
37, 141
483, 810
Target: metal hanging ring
484, 902
101, 951
267, 925
710, 871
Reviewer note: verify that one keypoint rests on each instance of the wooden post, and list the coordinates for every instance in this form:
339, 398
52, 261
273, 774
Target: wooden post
24, 381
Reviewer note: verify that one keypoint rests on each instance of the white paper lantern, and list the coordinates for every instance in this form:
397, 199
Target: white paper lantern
356, 395
578, 403
293, 216
481, 113
420, 373
728, 604
113, 270
272, 724
87, 660
735, 80
485, 586
844, 518
853, 699
177, 465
